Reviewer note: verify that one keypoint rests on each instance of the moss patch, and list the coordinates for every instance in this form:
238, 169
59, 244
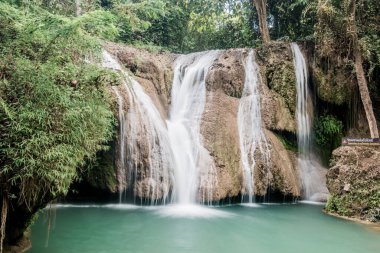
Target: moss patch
229, 157
332, 87
281, 78
364, 206
101, 174
277, 61
289, 143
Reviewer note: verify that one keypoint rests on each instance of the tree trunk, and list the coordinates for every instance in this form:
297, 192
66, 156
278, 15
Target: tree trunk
4, 212
78, 9
262, 13
360, 76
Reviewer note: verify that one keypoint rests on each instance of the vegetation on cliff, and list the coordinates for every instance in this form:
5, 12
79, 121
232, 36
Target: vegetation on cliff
328, 134
54, 106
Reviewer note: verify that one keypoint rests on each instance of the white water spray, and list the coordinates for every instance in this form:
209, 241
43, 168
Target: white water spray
251, 135
312, 173
188, 103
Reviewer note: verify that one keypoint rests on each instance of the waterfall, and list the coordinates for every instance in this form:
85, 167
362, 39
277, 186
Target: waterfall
311, 172
251, 135
188, 98
304, 108
146, 131
176, 155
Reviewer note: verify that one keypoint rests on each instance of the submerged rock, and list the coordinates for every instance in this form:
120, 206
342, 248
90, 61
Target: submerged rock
354, 182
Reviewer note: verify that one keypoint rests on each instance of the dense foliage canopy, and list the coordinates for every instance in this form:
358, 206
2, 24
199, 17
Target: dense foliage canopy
190, 25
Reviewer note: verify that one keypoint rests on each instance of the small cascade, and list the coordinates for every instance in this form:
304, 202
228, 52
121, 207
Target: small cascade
195, 168
145, 122
144, 132
312, 173
304, 108
251, 134
121, 176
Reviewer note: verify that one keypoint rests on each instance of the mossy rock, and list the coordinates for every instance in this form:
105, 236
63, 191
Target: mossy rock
359, 204
333, 87
338, 204
101, 174
276, 60
281, 78
228, 157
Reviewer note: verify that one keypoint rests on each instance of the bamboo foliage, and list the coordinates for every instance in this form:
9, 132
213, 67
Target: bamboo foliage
54, 107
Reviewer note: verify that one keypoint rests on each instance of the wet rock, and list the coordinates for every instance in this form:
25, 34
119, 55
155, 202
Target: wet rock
220, 136
227, 73
279, 92
334, 83
225, 84
283, 168
277, 62
153, 67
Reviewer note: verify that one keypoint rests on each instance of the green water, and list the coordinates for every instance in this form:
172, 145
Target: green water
263, 229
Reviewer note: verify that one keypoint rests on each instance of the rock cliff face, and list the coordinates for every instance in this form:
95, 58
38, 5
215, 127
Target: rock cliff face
279, 93
225, 84
219, 129
354, 182
153, 71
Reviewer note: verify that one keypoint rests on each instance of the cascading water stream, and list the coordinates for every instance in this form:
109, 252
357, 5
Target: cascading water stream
188, 103
145, 119
251, 135
304, 108
312, 173
144, 129
121, 176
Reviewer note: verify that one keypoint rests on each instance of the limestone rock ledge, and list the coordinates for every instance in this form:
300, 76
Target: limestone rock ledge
354, 183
